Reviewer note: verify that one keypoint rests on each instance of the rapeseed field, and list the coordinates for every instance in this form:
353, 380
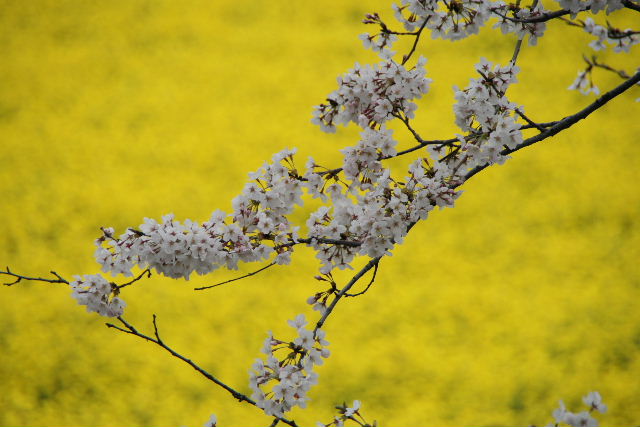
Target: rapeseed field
527, 292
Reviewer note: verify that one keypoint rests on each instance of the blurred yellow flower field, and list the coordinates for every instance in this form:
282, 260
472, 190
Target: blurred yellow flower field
527, 292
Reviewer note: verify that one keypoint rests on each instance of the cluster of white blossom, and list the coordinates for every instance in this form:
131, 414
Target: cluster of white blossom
380, 42
593, 400
280, 384
516, 23
369, 95
98, 295
595, 6
453, 20
346, 413
177, 249
584, 83
362, 162
621, 40
212, 422
379, 217
483, 110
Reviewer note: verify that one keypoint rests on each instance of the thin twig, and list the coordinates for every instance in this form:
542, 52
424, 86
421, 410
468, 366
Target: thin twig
237, 278
415, 42
373, 262
147, 272
516, 51
20, 277
528, 120
131, 330
373, 278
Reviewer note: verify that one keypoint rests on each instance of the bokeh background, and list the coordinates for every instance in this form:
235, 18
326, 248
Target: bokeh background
524, 294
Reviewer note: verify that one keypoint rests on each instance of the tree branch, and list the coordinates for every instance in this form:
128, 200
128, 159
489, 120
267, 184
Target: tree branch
131, 330
147, 272
373, 262
20, 277
542, 18
631, 5
373, 278
415, 42
237, 278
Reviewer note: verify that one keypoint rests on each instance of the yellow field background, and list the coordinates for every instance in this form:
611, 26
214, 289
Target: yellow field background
525, 293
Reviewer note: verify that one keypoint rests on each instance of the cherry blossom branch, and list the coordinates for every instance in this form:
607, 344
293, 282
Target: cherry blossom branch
567, 122
20, 277
542, 18
131, 330
237, 278
546, 133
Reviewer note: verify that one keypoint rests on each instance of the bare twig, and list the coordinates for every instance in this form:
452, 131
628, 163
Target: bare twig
373, 262
415, 42
529, 121
19, 277
146, 272
131, 330
373, 278
237, 278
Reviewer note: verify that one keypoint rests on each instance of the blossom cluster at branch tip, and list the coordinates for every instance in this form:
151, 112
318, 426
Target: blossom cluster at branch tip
380, 42
621, 40
371, 95
280, 384
454, 20
483, 110
595, 6
515, 24
212, 422
584, 83
593, 400
348, 413
98, 295
257, 228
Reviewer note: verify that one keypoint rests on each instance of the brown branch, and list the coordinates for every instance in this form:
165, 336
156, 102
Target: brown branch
542, 18
20, 277
530, 122
131, 282
415, 42
373, 278
131, 330
373, 262
631, 5
237, 278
